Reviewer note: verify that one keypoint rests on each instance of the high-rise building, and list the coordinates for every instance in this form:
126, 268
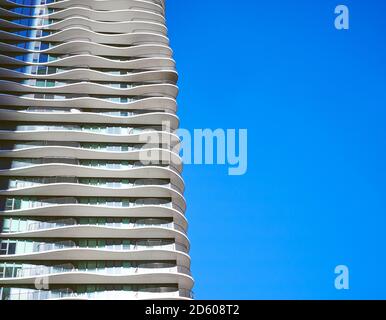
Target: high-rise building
91, 193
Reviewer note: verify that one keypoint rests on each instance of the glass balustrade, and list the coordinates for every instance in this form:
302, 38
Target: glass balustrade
34, 11
98, 295
110, 165
112, 147
116, 99
33, 22
90, 129
47, 70
19, 247
103, 183
22, 163
117, 113
25, 203
52, 83
32, 33
44, 2
10, 270
42, 57
17, 225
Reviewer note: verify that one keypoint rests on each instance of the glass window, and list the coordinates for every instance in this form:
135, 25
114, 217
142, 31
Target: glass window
126, 244
92, 243
81, 288
17, 204
83, 243
12, 248
82, 265
9, 204
91, 288
91, 265
6, 225
40, 83
22, 225
29, 246
43, 58
3, 248
44, 46
51, 70
83, 221
9, 271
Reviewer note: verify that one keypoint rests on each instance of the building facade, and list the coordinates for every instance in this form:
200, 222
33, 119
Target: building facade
91, 193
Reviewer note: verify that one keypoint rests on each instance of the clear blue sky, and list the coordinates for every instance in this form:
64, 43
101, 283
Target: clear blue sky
314, 101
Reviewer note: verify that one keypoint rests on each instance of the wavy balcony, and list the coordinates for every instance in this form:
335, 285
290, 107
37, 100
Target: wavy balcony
79, 33
83, 22
181, 279
168, 90
75, 115
22, 272
133, 210
42, 84
101, 5
72, 189
156, 103
84, 136
75, 232
55, 169
54, 189
91, 61
40, 251
172, 162
181, 294
99, 232
82, 254
17, 226
165, 180
166, 76
114, 184
71, 275
88, 13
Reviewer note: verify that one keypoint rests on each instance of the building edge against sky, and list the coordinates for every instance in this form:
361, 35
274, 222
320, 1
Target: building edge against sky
81, 216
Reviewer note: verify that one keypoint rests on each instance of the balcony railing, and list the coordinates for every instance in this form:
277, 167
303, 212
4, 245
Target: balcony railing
72, 222
110, 130
63, 245
101, 295
38, 271
26, 164
20, 184
25, 205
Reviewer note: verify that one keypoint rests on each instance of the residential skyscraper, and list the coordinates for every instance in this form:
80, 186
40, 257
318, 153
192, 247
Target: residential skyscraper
91, 193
